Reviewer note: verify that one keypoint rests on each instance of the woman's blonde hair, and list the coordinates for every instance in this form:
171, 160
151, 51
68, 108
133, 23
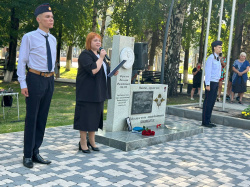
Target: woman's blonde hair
89, 38
243, 54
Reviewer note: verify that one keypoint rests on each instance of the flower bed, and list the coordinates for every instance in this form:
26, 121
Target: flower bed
246, 113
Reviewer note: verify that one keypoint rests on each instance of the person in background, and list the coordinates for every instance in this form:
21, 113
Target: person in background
239, 79
92, 89
134, 76
223, 65
212, 77
6, 58
197, 73
229, 86
56, 70
38, 52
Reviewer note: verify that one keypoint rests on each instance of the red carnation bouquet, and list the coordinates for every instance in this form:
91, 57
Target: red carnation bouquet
148, 132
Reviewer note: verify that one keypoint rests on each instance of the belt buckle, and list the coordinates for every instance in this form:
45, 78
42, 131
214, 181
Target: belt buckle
46, 74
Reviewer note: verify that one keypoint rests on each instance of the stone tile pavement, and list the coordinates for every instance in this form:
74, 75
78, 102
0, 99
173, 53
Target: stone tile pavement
218, 157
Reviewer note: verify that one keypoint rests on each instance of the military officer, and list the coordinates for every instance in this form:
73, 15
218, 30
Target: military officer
212, 77
38, 52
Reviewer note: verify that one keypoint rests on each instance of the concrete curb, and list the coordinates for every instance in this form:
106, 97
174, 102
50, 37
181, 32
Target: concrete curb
178, 110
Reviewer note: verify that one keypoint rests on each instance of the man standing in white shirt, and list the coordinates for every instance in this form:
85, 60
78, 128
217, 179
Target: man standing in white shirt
212, 77
38, 53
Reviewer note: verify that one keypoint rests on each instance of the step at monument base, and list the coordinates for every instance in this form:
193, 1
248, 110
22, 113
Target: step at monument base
127, 141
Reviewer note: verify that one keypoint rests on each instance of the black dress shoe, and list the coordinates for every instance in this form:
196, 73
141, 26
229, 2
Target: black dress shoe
84, 151
212, 124
37, 158
208, 126
93, 148
27, 162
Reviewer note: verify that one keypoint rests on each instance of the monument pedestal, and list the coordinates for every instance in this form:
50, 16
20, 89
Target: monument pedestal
127, 141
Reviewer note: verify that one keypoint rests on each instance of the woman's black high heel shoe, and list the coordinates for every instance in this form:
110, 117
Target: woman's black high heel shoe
93, 148
84, 151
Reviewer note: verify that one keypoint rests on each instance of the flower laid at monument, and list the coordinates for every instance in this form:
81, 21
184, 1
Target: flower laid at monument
158, 125
148, 132
246, 113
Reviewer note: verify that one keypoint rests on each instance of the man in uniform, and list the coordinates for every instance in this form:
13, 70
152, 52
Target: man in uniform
38, 52
212, 77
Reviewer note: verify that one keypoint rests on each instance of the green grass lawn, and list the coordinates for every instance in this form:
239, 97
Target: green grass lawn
61, 109
68, 74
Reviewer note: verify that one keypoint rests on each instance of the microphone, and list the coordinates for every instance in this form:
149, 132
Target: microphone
106, 56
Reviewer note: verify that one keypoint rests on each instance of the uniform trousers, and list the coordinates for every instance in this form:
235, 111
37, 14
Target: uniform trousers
209, 101
37, 108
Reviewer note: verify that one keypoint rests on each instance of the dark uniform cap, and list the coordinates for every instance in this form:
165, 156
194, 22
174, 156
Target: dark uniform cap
215, 43
45, 7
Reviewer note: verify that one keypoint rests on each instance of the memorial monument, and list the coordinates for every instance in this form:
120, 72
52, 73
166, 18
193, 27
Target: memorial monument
144, 104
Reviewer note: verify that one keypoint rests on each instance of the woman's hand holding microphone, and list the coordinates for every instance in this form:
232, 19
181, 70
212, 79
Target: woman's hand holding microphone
102, 53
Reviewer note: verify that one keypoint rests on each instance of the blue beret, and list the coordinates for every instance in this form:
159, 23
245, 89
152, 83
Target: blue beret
45, 7
215, 43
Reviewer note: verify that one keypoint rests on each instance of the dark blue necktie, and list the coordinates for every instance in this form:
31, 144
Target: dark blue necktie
49, 59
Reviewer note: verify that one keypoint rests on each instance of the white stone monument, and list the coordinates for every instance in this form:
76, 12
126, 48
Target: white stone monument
144, 104
120, 84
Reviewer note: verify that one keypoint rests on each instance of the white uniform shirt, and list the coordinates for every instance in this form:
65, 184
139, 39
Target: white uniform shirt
212, 69
104, 66
33, 52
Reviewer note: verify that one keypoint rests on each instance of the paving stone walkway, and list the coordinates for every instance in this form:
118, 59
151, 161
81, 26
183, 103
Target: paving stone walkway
218, 157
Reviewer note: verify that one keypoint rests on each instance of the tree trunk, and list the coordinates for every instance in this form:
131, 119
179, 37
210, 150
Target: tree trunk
58, 50
173, 54
59, 46
201, 49
186, 58
69, 58
188, 36
104, 16
94, 16
238, 33
155, 39
154, 44
246, 40
12, 46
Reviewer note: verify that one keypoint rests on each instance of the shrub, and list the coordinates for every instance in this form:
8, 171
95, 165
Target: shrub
246, 113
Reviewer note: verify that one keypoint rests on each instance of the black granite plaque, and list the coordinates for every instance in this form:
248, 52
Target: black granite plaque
142, 102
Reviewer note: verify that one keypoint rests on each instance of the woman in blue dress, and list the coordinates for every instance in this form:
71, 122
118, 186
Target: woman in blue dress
240, 69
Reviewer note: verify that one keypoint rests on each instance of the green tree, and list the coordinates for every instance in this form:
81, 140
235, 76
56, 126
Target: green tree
174, 47
187, 36
246, 31
153, 23
70, 26
122, 16
146, 26
238, 33
14, 14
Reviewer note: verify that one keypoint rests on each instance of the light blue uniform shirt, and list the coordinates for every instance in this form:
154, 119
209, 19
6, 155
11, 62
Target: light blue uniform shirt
212, 69
33, 52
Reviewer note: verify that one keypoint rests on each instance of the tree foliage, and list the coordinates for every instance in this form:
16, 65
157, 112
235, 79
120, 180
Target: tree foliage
143, 19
